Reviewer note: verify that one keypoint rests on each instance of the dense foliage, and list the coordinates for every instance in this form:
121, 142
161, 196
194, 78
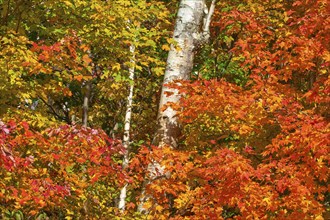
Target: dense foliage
63, 172
254, 116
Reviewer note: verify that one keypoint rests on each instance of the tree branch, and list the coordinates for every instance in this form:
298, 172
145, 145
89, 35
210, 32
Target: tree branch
207, 21
54, 111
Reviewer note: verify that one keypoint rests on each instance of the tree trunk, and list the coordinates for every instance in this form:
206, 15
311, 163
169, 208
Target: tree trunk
126, 138
87, 92
191, 30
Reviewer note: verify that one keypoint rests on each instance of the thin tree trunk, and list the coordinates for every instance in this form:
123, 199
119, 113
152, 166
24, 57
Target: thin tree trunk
127, 126
191, 30
87, 93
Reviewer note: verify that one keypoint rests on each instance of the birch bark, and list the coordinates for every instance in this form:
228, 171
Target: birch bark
128, 115
191, 30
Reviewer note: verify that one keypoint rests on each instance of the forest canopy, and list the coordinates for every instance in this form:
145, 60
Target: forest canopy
138, 109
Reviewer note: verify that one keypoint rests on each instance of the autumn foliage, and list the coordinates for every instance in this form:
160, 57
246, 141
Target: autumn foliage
254, 116
64, 171
252, 159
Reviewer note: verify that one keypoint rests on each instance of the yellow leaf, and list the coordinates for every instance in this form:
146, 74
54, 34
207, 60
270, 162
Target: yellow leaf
7, 178
147, 205
68, 3
326, 57
17, 205
159, 208
87, 77
116, 66
267, 200
138, 67
324, 71
69, 212
158, 71
165, 47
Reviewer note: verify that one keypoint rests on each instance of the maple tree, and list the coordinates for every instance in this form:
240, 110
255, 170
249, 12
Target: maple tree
64, 171
251, 104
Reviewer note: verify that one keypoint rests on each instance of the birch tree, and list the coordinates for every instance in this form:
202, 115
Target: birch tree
127, 125
191, 30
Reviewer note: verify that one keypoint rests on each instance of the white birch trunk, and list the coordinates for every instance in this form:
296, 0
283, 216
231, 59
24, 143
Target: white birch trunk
191, 30
127, 126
